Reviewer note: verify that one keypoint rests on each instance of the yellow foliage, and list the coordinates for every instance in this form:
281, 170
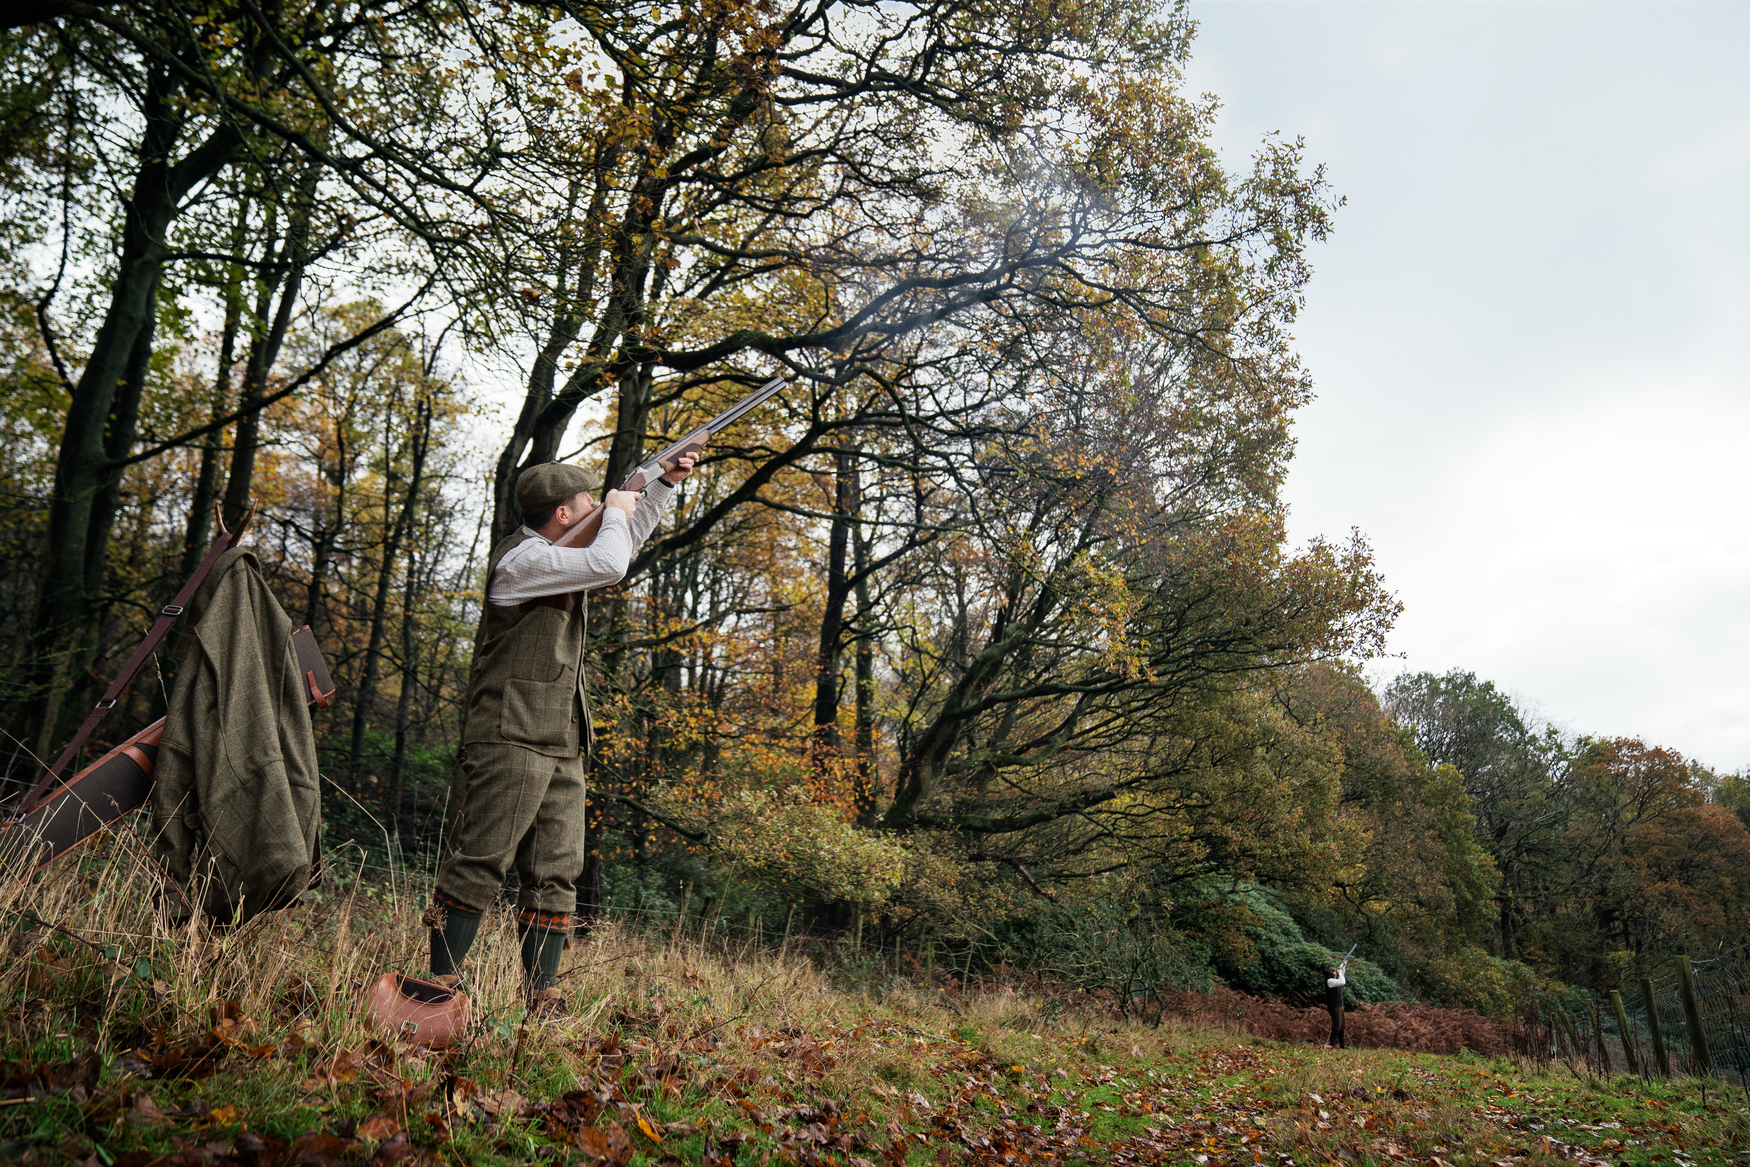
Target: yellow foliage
782, 838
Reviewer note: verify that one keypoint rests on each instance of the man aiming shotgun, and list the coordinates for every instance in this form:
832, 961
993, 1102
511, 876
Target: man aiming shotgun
528, 726
1334, 983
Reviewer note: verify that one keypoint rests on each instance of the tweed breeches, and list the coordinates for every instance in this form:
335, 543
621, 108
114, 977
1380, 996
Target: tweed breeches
521, 806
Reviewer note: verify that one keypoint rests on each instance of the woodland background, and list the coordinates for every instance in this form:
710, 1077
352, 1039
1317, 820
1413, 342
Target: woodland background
982, 643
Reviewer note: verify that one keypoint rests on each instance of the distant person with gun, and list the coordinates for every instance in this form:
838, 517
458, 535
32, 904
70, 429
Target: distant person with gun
1334, 984
528, 726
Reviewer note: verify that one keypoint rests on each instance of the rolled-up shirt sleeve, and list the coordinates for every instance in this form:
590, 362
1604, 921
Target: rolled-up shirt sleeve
535, 568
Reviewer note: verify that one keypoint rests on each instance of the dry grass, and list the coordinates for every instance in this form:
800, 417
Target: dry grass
95, 948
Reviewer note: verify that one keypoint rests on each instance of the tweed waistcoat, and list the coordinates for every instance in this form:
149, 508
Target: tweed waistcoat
528, 684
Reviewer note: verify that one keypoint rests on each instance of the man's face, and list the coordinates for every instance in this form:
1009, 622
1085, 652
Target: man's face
575, 508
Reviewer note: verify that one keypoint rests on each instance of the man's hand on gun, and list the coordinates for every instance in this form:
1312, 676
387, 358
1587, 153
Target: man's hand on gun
686, 461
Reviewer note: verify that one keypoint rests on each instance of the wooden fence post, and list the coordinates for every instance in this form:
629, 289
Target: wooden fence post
1658, 1035
1629, 1054
1698, 1052
1598, 1033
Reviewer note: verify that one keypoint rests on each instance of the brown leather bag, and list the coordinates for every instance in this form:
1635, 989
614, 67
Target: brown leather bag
421, 1012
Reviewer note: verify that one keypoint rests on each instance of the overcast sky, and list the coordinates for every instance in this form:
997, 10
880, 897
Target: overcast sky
1529, 336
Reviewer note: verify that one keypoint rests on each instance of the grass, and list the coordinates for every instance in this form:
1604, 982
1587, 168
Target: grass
143, 1043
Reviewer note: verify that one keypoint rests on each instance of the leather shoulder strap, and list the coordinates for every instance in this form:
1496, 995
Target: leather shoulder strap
160, 629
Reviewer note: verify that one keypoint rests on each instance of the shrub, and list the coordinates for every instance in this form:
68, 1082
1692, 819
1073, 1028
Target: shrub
1472, 979
1104, 946
780, 840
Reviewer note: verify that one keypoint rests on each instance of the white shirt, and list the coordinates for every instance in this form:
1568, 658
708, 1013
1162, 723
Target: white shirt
535, 568
1338, 983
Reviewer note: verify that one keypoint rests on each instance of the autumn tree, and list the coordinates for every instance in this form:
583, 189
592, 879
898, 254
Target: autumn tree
1732, 792
1650, 869
1077, 666
1611, 855
172, 147
1508, 769
763, 184
1090, 683
1422, 889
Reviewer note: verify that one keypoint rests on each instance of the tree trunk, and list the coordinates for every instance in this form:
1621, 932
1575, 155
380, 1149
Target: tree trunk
589, 888
632, 415
200, 511
265, 349
832, 619
326, 534
409, 641
59, 643
865, 718
367, 689
404, 702
118, 442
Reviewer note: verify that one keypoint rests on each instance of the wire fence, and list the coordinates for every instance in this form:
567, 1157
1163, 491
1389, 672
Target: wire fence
1688, 1021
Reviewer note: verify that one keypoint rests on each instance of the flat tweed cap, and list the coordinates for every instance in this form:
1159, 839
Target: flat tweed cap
552, 483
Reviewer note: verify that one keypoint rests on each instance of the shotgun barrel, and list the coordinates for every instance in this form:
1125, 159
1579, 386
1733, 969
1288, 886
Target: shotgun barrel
583, 532
664, 460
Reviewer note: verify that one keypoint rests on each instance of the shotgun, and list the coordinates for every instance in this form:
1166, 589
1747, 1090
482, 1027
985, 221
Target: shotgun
1347, 955
583, 532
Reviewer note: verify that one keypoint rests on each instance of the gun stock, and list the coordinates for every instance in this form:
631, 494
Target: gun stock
583, 532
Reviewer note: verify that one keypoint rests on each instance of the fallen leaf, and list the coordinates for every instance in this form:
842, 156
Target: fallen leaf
611, 1146
393, 1151
318, 1149
506, 1102
379, 1128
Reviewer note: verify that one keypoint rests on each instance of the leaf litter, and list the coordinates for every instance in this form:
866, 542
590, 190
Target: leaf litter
756, 1096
